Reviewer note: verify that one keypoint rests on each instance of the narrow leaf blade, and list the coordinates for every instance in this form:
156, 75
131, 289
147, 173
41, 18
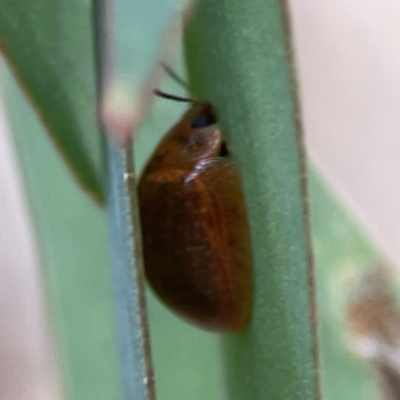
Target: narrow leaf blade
48, 46
237, 58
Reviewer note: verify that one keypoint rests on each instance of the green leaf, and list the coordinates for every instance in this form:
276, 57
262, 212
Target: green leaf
236, 52
73, 242
341, 249
48, 46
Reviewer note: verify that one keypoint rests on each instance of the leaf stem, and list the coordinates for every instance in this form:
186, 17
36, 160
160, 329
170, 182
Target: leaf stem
124, 226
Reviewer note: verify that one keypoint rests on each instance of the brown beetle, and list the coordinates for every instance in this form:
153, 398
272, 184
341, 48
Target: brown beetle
196, 240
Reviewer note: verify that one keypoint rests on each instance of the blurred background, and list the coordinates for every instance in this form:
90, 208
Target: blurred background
348, 57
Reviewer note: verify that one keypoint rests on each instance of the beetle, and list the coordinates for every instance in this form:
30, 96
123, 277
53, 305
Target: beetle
196, 239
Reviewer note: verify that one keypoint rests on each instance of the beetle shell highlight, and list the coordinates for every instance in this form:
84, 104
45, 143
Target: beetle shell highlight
196, 240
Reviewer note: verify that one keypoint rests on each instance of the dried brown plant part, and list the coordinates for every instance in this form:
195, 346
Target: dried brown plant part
373, 325
388, 381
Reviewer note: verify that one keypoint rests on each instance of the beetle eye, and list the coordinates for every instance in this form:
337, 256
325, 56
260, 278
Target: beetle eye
203, 120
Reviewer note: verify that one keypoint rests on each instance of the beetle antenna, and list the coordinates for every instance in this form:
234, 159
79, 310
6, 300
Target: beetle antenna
168, 96
174, 76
